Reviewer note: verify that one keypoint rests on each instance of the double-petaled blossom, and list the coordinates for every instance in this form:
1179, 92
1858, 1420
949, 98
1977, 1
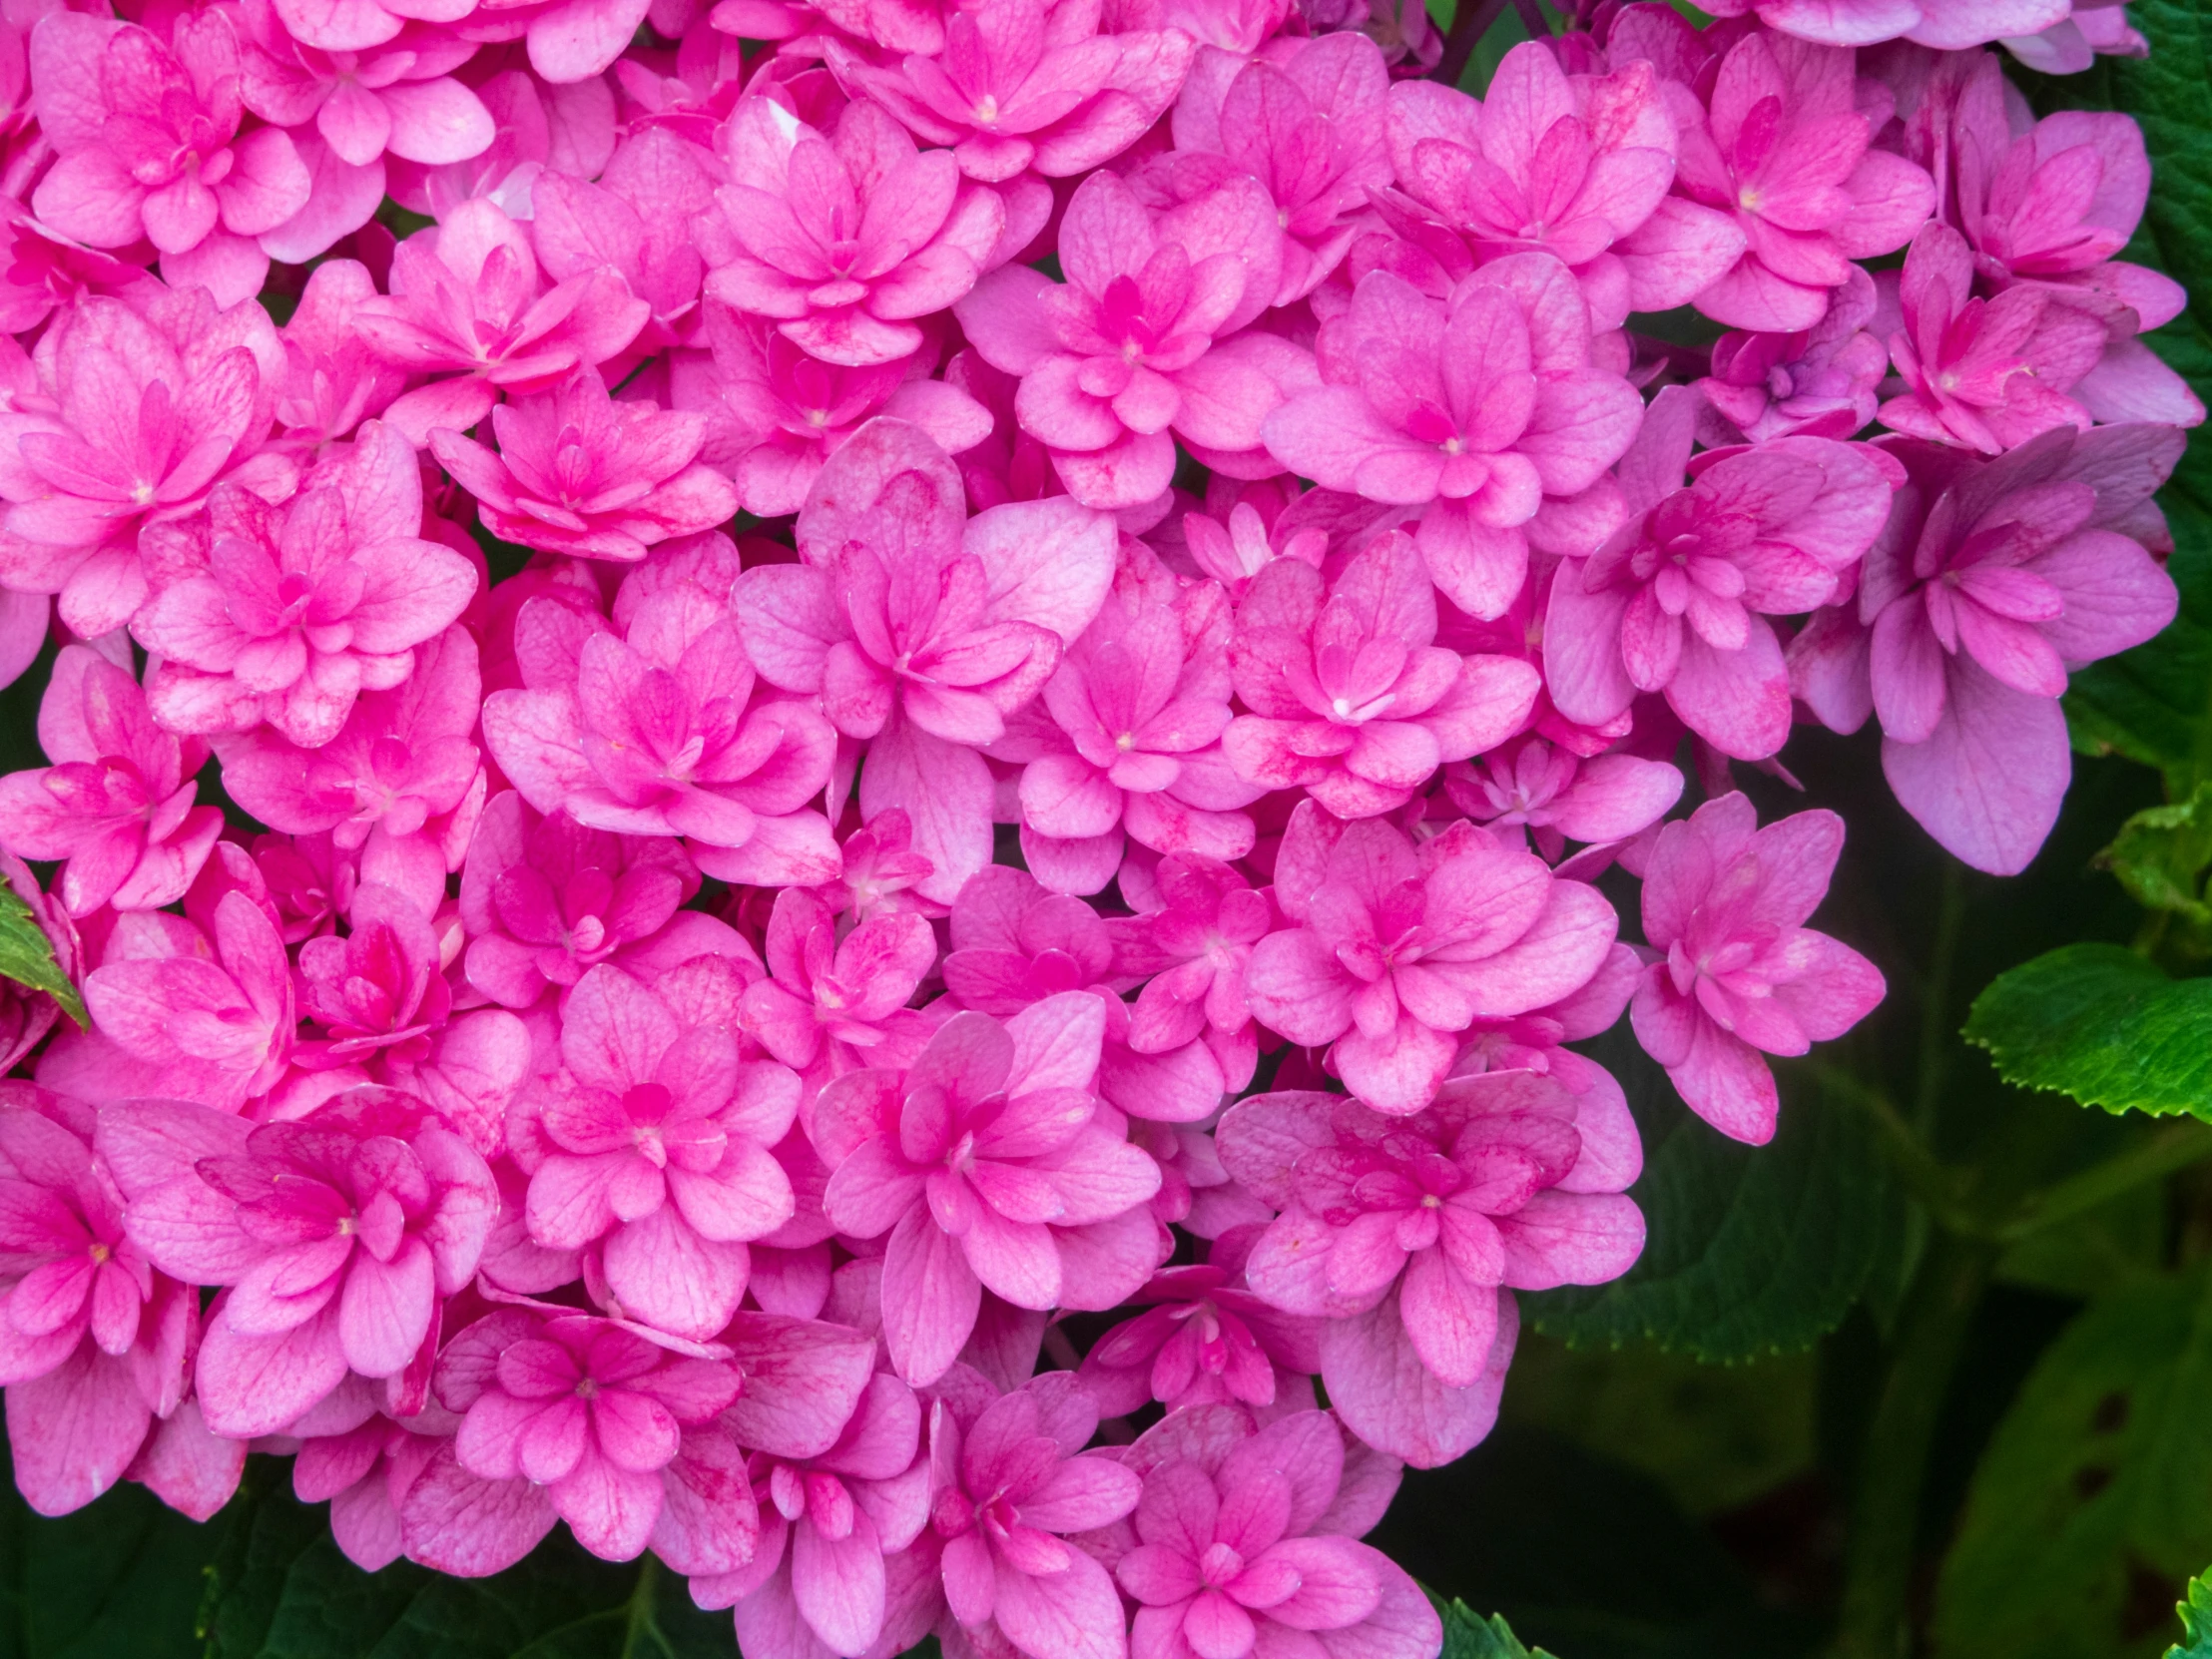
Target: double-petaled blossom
1145, 343
1785, 147
988, 1163
921, 629
1946, 25
1350, 698
1552, 796
836, 1004
1991, 581
579, 474
1816, 382
1408, 1234
146, 135
653, 1140
1676, 601
1478, 410
1393, 948
338, 1234
304, 607
1741, 975
1191, 942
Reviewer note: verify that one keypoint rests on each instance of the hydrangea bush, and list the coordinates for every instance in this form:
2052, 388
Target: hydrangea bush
901, 798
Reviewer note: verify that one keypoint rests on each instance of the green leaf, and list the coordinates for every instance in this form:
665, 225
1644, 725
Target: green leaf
27, 956
1468, 1635
2098, 1476
1751, 1250
2196, 1620
2103, 1025
2161, 854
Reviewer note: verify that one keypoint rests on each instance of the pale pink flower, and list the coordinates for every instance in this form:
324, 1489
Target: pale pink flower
844, 239
141, 408
465, 304
1408, 1235
337, 1234
989, 1163
94, 1340
148, 138
1479, 409
1144, 337
1238, 1548
1676, 601
117, 802
1394, 948
837, 1004
921, 629
1992, 579
659, 734
1574, 167
1351, 698
653, 1141
1786, 150
592, 1413
580, 474
304, 607
1818, 383
1741, 977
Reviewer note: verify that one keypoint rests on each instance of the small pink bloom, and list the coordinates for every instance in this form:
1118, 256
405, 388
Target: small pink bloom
838, 1004
1742, 976
1191, 941
1554, 796
1818, 383
1203, 1338
638, 218
1946, 25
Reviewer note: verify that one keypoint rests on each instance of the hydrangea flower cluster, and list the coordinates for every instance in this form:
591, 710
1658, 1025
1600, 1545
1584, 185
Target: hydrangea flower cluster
1086, 588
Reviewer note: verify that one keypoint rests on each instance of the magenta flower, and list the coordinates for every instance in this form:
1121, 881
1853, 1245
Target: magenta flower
1993, 579
1676, 601
93, 1340
1192, 941
1351, 698
142, 410
337, 1234
1987, 373
1203, 1339
465, 304
1137, 341
638, 218
659, 734
1818, 383
845, 241
1578, 168
301, 608
653, 1140
117, 802
836, 1004
590, 1411
1742, 976
332, 380
579, 474
1946, 25
146, 135
1394, 948
1786, 151
978, 1162
1009, 1485
1235, 549
1408, 1235
1125, 738
1238, 1549
1552, 796
363, 1470
1478, 410
545, 900
922, 629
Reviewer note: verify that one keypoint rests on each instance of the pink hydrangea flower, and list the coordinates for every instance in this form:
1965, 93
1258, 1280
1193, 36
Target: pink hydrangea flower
337, 1234
1409, 1234
1741, 975
1676, 601
1393, 948
653, 1140
845, 239
579, 474
1203, 1338
1191, 941
1351, 698
26, 1014
1552, 796
1143, 338
922, 629
978, 1163
146, 134
1574, 167
638, 218
465, 306
141, 409
1946, 25
304, 607
1238, 1549
1818, 383
1478, 409
836, 1004
332, 380
117, 802
1786, 150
